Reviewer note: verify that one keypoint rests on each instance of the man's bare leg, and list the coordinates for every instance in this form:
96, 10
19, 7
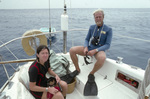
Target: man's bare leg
73, 54
101, 57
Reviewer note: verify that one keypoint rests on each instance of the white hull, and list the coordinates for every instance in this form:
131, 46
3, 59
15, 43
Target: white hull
109, 86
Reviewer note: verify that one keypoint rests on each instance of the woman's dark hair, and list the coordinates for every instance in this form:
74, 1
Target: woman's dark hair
40, 48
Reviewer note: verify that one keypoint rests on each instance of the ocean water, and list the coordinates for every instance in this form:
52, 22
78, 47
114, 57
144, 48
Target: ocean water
127, 22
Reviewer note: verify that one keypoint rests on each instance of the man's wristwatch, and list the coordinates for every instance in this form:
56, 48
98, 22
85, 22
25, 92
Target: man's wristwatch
96, 50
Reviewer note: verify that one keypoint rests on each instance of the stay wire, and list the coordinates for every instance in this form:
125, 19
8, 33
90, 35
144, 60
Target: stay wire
49, 36
71, 24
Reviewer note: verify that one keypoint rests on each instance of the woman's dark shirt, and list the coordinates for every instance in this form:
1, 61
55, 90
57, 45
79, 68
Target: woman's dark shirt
37, 73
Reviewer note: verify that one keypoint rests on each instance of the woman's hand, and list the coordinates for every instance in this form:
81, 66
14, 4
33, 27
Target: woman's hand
54, 74
52, 90
57, 78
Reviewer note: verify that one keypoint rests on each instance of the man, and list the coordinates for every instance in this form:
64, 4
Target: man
97, 41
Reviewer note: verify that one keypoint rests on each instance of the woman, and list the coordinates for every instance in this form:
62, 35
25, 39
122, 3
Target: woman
37, 76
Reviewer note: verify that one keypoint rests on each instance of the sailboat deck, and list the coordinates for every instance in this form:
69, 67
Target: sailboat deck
108, 86
107, 89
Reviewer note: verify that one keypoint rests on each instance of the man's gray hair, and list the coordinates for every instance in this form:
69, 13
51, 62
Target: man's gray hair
98, 10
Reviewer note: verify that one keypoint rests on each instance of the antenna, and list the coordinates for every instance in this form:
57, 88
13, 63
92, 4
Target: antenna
64, 2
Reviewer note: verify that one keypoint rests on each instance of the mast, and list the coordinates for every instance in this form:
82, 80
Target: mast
64, 27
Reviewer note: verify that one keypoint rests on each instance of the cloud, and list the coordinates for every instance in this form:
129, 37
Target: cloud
31, 4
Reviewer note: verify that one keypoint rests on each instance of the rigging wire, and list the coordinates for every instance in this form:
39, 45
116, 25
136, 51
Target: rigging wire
12, 54
49, 36
71, 23
49, 15
10, 51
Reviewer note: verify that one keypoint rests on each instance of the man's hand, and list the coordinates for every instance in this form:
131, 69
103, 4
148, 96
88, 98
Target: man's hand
85, 50
92, 52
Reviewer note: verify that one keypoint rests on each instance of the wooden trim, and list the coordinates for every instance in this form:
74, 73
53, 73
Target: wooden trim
18, 61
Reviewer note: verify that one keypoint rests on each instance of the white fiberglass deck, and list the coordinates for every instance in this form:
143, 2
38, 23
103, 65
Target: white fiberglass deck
107, 88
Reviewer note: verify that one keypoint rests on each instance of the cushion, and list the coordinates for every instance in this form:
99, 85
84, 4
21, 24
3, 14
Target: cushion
23, 75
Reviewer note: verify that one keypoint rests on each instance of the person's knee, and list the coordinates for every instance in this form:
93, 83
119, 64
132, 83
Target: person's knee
58, 95
71, 50
64, 85
101, 57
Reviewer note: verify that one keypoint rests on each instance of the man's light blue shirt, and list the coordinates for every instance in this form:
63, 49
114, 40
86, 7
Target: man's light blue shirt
105, 39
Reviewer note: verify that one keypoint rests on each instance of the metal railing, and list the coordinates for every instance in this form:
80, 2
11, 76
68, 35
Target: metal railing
3, 62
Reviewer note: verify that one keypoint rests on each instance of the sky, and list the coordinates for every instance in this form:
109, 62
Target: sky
40, 4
